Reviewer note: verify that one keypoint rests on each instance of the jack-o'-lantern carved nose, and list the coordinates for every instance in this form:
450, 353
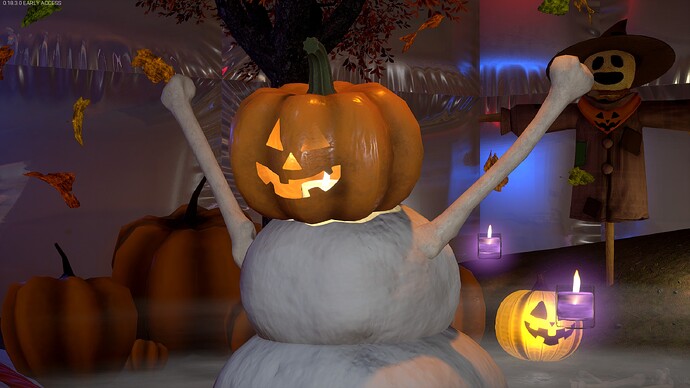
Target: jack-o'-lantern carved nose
291, 163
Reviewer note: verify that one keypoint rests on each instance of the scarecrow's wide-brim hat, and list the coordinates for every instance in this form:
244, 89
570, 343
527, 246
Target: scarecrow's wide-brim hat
653, 57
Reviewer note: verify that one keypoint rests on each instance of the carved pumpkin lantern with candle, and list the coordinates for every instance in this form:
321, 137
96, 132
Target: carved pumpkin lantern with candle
303, 150
526, 326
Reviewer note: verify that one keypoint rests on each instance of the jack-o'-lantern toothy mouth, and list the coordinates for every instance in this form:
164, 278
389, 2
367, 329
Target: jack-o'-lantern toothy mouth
549, 340
298, 188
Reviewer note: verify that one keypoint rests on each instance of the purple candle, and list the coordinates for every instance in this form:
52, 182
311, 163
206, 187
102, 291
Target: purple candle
575, 305
488, 245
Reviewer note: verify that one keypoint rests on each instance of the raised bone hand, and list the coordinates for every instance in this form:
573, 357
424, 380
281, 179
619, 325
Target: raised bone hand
176, 96
569, 80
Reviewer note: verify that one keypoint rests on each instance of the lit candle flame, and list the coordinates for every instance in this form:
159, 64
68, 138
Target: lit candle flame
576, 282
488, 232
325, 181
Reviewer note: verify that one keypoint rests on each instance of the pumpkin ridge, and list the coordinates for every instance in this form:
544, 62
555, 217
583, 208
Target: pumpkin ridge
8, 327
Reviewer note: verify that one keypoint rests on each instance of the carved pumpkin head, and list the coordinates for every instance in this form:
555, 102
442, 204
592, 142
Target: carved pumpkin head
620, 61
526, 327
321, 151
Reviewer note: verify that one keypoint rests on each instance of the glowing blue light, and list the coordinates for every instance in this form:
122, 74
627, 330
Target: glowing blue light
500, 64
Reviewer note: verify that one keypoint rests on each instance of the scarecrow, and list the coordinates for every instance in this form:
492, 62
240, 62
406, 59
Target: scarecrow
609, 179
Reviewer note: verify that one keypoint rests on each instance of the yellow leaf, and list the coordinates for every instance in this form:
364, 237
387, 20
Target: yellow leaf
154, 67
78, 118
493, 158
583, 3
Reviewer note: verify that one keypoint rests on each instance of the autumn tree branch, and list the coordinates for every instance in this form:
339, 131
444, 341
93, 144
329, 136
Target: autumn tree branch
339, 22
250, 25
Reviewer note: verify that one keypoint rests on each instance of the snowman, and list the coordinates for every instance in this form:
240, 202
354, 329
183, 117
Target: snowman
346, 287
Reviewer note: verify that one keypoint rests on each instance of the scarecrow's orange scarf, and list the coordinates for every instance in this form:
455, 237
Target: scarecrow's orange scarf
607, 116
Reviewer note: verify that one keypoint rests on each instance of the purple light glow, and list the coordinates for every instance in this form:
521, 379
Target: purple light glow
575, 306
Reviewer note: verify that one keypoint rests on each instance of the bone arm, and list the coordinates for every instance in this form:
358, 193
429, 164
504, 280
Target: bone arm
176, 96
569, 80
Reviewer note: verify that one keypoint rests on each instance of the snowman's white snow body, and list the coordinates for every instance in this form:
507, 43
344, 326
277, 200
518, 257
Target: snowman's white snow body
446, 360
348, 283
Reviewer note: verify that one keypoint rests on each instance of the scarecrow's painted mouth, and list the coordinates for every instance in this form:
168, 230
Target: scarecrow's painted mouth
549, 340
608, 78
298, 188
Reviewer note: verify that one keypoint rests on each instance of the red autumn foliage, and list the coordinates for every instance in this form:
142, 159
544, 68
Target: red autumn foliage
364, 42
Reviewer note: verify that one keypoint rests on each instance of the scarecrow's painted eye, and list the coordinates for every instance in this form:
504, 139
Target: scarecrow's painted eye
598, 63
616, 60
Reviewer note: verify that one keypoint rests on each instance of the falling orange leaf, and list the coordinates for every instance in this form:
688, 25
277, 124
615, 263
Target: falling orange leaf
78, 118
432, 22
579, 4
493, 158
5, 54
154, 67
62, 182
408, 39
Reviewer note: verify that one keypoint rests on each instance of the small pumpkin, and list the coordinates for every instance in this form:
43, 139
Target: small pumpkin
147, 355
182, 276
74, 325
470, 316
303, 150
526, 326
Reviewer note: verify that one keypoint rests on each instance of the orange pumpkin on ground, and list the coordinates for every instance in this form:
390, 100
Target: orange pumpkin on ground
68, 324
183, 278
147, 355
470, 316
527, 327
303, 150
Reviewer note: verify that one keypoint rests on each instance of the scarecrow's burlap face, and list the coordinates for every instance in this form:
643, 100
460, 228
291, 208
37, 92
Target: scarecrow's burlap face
612, 69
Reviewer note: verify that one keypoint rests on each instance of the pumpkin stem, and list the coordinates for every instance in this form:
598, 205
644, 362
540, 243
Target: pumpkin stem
66, 267
320, 78
540, 284
190, 214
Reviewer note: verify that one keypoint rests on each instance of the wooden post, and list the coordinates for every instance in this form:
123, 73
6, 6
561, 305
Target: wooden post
609, 253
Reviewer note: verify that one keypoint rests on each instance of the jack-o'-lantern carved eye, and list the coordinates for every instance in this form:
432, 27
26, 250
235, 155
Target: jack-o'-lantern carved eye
540, 311
298, 188
314, 140
612, 69
274, 138
541, 324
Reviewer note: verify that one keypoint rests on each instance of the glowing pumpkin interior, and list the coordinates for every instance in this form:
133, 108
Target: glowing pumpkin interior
298, 188
527, 328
